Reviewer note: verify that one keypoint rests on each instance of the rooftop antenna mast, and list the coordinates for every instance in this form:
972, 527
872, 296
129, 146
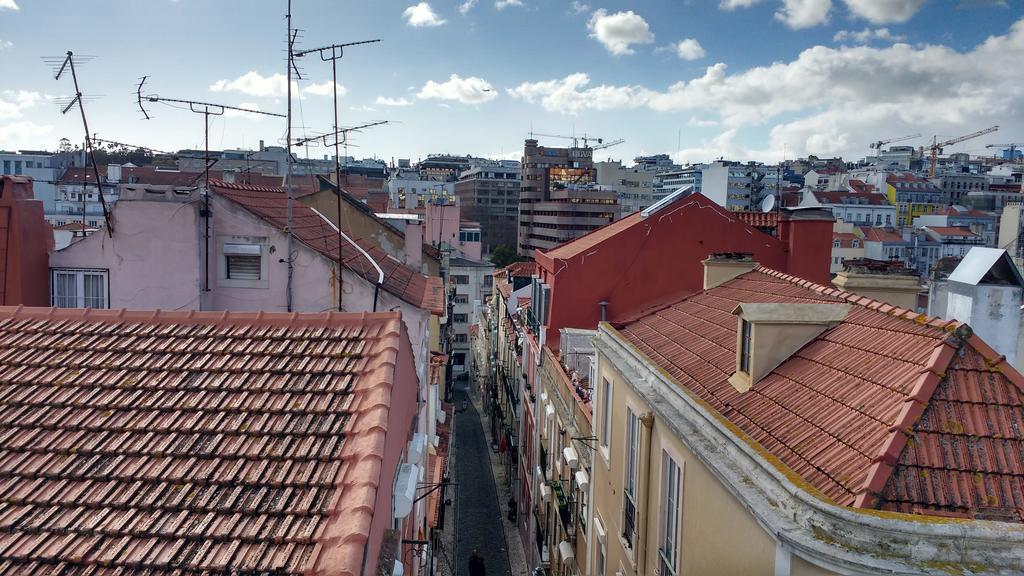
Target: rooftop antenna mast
290, 38
207, 109
69, 64
333, 53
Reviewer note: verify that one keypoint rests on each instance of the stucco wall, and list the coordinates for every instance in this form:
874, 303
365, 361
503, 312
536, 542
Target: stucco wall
717, 534
153, 259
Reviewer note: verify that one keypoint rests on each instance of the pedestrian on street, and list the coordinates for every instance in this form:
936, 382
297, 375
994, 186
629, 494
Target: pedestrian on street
476, 564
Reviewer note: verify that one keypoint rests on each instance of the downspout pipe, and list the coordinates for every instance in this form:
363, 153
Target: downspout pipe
604, 310
645, 484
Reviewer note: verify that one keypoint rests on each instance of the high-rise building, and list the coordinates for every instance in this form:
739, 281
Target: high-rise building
560, 199
489, 194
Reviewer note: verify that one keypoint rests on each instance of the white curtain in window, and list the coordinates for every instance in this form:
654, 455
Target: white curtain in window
94, 291
64, 293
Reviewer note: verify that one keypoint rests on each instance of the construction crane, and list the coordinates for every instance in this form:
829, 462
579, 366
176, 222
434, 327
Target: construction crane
608, 144
1012, 147
878, 145
576, 140
936, 147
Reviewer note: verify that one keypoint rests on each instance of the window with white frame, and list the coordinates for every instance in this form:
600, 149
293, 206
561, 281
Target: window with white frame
79, 288
629, 485
606, 412
601, 553
671, 504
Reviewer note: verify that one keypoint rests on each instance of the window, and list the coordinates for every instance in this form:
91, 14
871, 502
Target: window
744, 346
17, 167
461, 338
671, 487
469, 235
606, 411
460, 318
7, 166
835, 243
460, 279
243, 261
488, 281
630, 484
79, 288
459, 359
856, 243
461, 299
601, 553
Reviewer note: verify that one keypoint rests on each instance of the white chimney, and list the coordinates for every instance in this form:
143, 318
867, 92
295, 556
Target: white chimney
229, 175
114, 173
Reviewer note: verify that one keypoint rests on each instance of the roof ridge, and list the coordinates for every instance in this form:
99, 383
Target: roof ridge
196, 317
865, 302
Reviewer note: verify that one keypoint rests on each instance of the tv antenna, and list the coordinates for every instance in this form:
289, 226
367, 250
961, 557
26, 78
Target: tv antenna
333, 53
68, 63
207, 109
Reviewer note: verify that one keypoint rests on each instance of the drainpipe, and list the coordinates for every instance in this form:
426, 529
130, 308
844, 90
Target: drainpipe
604, 310
645, 483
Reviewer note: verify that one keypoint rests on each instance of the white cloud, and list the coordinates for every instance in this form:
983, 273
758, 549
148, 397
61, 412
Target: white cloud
828, 100
24, 134
255, 84
734, 4
5, 44
578, 8
502, 4
884, 11
419, 15
325, 88
689, 49
701, 122
466, 6
619, 30
13, 102
362, 108
799, 14
470, 90
241, 114
867, 35
8, 5
388, 101
570, 95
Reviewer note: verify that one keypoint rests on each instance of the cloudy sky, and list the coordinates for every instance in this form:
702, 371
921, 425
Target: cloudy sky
699, 79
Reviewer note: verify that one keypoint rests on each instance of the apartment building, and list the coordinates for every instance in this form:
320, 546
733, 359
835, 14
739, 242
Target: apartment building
560, 198
488, 192
913, 196
470, 286
731, 184
739, 432
44, 168
634, 185
859, 208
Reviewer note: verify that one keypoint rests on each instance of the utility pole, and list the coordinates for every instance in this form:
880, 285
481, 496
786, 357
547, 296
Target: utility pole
337, 51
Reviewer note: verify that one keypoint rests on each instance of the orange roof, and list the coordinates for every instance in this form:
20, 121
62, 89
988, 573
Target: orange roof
593, 238
881, 235
888, 409
196, 442
519, 269
271, 204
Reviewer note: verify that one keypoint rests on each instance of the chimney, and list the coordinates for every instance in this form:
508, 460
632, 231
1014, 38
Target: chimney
229, 175
114, 173
807, 233
881, 280
721, 267
414, 244
261, 146
26, 239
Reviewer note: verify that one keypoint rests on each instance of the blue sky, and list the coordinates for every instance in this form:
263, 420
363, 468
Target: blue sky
699, 79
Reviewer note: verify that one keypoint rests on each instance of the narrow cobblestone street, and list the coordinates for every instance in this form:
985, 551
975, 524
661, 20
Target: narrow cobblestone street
480, 517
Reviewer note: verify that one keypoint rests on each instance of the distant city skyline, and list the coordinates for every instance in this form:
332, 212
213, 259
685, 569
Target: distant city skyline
699, 79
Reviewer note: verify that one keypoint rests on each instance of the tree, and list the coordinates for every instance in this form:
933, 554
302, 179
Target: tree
502, 256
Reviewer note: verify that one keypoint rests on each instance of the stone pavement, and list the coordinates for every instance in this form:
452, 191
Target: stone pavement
480, 520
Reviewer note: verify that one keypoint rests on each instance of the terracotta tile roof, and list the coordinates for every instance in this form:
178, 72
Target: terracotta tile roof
888, 409
845, 239
860, 186
74, 227
519, 269
193, 442
851, 198
881, 235
964, 211
758, 219
951, 231
270, 204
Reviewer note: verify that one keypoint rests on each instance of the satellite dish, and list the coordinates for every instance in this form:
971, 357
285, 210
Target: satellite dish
768, 204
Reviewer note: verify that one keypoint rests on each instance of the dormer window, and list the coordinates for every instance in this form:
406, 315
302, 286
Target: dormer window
745, 330
769, 334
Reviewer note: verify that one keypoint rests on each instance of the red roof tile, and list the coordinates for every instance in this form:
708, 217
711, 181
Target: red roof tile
519, 269
758, 219
951, 231
863, 198
881, 235
886, 409
310, 228
194, 442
